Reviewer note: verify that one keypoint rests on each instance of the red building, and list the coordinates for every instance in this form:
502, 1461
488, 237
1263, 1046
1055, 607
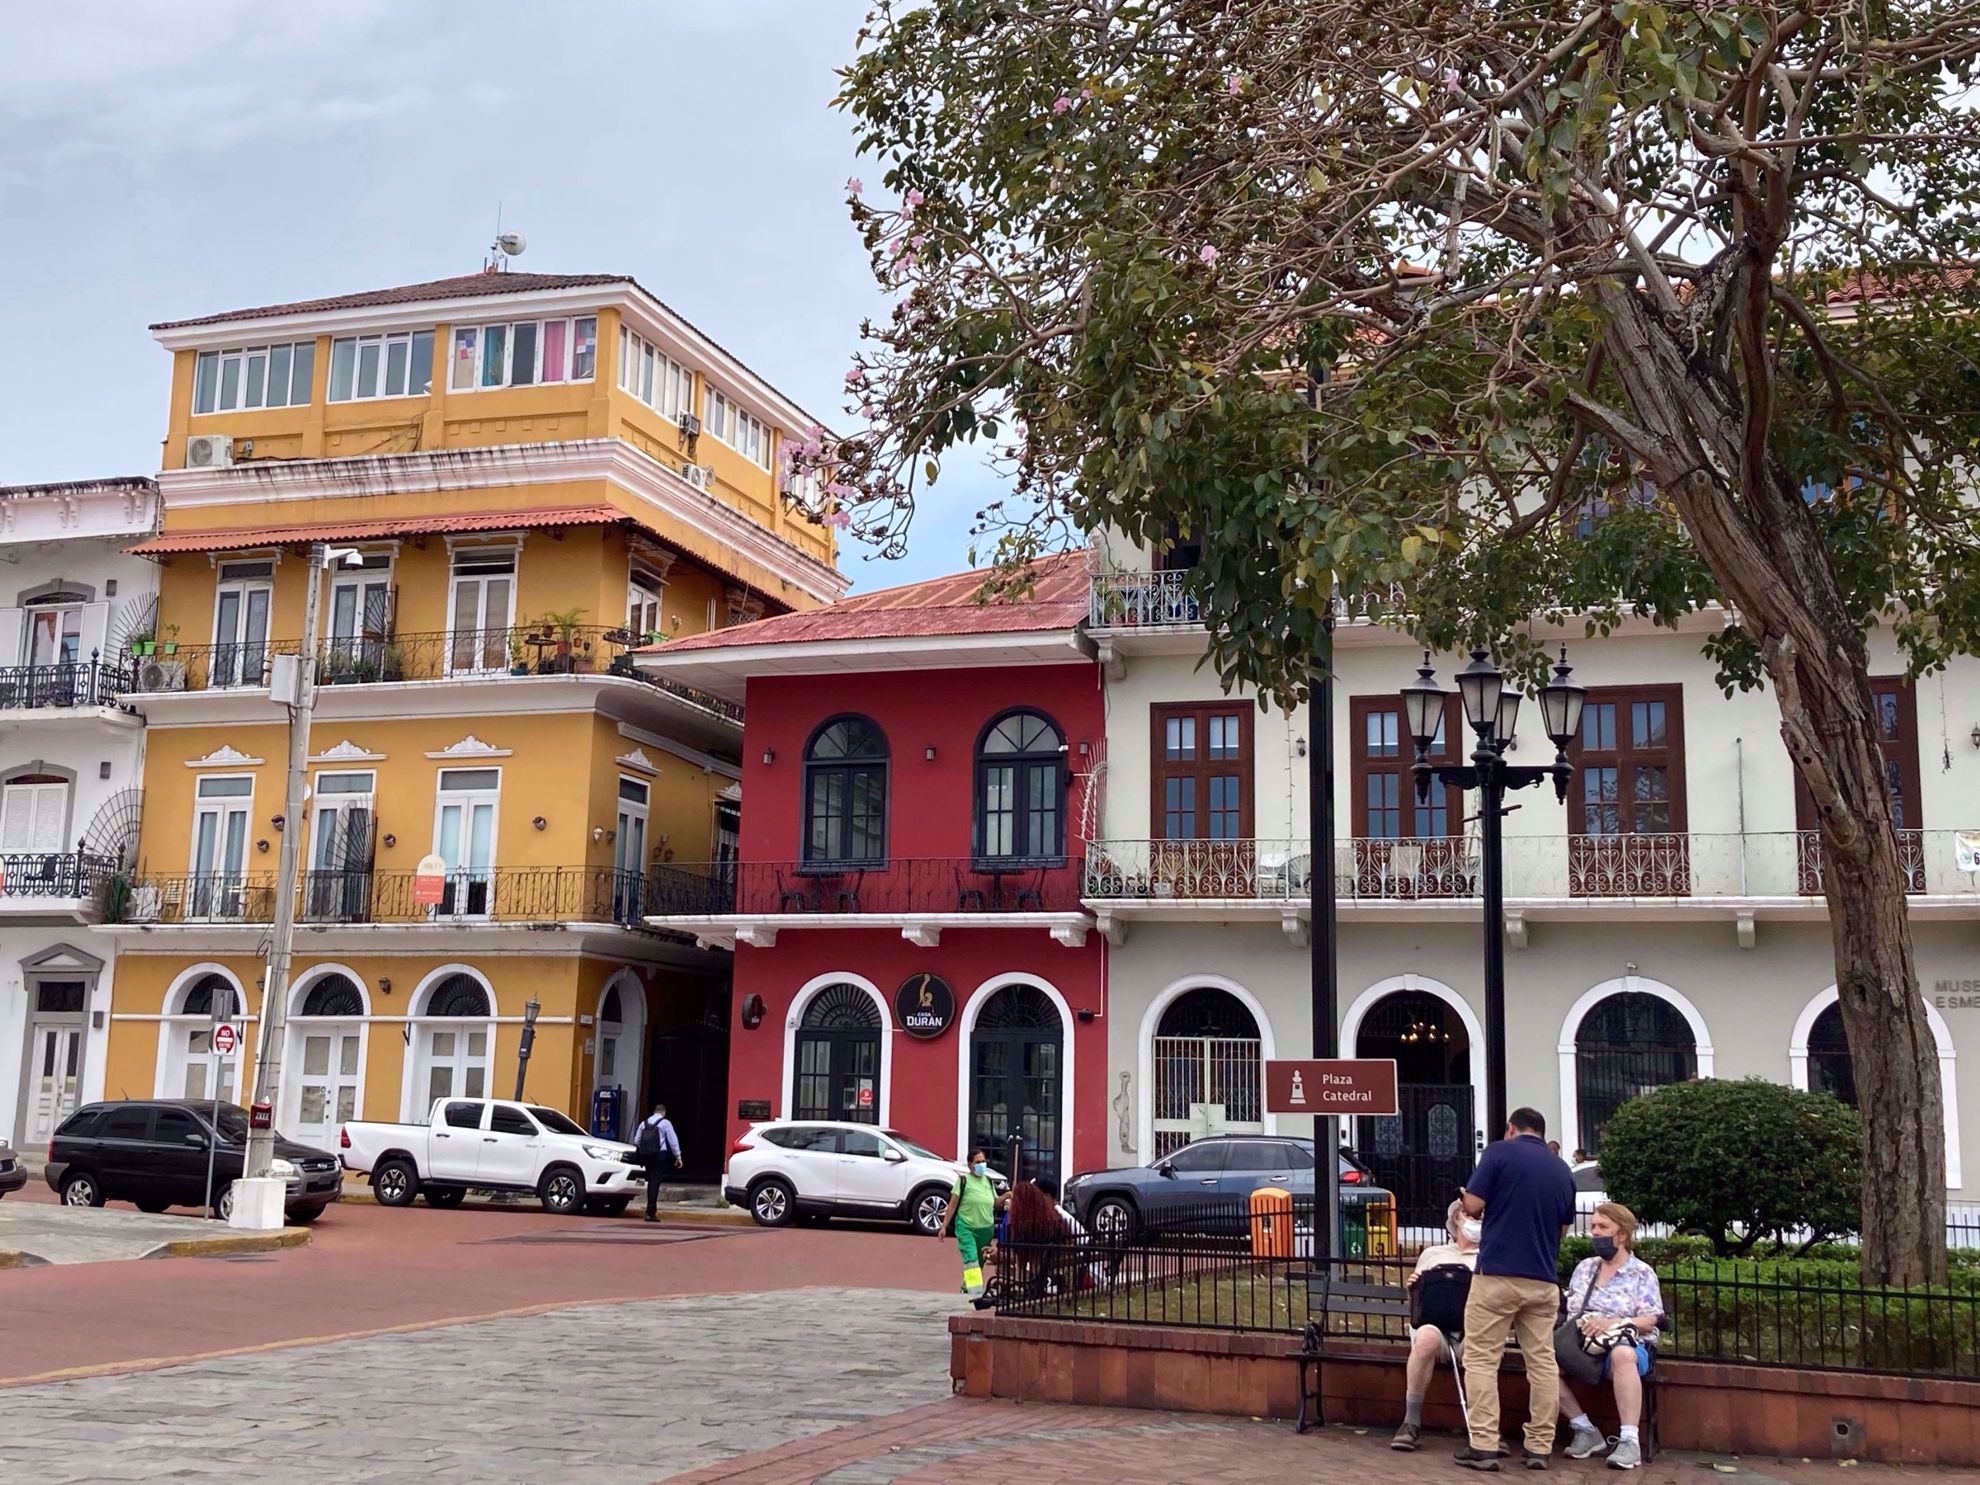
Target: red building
904, 905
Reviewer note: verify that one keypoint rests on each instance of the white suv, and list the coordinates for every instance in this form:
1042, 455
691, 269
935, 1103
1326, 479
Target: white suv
819, 1169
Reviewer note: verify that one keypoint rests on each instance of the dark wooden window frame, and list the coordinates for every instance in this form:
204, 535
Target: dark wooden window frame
1161, 769
1905, 745
1361, 766
1627, 755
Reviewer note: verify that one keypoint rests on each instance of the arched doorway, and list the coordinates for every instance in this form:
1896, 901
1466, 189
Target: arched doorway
1424, 1151
326, 1045
1829, 1067
1628, 1044
836, 1072
189, 1067
690, 1067
1207, 1069
1016, 1077
454, 1040
621, 1046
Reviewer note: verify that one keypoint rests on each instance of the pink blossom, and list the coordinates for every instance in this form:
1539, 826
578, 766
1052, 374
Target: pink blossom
1088, 93
1453, 84
1235, 83
918, 240
854, 187
1209, 254
838, 520
855, 377
915, 198
1062, 104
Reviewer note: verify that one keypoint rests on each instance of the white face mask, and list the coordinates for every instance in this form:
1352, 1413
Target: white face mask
1471, 1229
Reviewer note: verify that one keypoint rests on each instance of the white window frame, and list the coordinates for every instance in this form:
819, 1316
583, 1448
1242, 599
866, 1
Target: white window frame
222, 805
245, 588
511, 554
467, 798
17, 792
479, 331
338, 578
733, 425
644, 586
635, 354
241, 355
385, 341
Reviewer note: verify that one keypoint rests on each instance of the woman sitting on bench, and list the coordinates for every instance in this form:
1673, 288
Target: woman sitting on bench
1429, 1345
1614, 1297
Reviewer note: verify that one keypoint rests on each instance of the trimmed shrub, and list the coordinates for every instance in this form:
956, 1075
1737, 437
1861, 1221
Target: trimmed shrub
1737, 1162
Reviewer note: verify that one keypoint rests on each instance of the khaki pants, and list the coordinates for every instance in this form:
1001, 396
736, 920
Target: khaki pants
1530, 1308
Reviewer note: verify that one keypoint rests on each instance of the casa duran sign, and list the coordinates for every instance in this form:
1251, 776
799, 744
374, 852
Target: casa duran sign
925, 1006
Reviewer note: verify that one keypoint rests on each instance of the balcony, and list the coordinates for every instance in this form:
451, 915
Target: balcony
752, 901
1808, 861
62, 884
47, 688
1142, 600
518, 650
531, 895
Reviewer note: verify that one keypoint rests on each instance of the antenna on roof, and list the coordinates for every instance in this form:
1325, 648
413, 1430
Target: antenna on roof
506, 245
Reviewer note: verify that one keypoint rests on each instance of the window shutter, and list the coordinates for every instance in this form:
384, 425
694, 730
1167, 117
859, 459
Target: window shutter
95, 630
10, 635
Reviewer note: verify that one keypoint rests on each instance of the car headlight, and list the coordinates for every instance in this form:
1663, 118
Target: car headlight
283, 1168
604, 1152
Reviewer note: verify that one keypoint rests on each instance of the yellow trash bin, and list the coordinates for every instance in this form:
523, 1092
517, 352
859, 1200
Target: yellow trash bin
1271, 1222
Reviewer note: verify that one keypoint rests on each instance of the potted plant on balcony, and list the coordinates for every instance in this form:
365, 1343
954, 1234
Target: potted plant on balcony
518, 661
171, 639
562, 627
391, 663
143, 644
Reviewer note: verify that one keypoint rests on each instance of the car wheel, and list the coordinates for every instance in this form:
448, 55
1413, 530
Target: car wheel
609, 1206
1114, 1220
79, 1189
925, 1209
150, 1208
562, 1191
303, 1216
395, 1183
223, 1203
773, 1204
446, 1197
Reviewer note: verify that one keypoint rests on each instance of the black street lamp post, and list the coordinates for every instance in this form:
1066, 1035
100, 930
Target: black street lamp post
530, 1012
1492, 710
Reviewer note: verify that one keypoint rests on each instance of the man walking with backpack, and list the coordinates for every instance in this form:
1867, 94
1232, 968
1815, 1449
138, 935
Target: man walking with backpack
659, 1151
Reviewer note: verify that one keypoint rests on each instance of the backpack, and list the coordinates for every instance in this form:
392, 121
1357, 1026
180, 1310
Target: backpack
646, 1141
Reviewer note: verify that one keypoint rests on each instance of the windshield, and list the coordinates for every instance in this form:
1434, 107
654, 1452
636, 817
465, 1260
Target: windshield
555, 1122
909, 1145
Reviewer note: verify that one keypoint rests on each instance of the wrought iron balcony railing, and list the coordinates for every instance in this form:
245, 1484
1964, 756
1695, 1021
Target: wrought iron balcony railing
455, 654
521, 894
91, 682
1783, 864
27, 876
1141, 600
924, 886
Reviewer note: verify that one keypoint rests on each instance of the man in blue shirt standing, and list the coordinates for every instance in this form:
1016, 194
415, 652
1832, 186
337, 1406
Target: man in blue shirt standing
659, 1150
1526, 1196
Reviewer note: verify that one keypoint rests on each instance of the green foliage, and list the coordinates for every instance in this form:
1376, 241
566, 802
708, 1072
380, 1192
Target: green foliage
1736, 1162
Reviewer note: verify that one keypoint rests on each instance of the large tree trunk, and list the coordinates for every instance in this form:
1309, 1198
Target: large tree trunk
1756, 535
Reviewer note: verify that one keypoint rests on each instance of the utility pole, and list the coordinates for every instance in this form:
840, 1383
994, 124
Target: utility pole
1323, 939
259, 1198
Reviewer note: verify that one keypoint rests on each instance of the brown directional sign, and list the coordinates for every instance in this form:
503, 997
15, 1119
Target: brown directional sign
1364, 1085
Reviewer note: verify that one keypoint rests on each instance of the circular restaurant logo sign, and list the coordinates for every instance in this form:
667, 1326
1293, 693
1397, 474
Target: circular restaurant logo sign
925, 1006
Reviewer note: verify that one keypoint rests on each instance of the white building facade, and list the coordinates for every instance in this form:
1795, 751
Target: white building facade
75, 611
1666, 922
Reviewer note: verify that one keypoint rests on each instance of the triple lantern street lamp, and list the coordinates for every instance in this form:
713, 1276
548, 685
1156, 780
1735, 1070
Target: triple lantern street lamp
1492, 709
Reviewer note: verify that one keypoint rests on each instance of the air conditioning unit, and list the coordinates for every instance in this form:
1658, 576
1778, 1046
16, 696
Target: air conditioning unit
162, 675
698, 475
209, 451
690, 425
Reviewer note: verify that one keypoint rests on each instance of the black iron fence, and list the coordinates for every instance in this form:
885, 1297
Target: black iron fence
53, 874
522, 894
937, 885
91, 682
219, 667
1258, 1273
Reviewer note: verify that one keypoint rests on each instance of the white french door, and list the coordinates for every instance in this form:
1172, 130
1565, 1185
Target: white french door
464, 838
219, 854
360, 618
54, 636
340, 853
240, 624
481, 612
328, 1091
629, 851
453, 1062
54, 1081
208, 1077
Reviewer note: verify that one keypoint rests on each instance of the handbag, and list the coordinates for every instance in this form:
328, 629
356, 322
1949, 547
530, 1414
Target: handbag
1574, 1361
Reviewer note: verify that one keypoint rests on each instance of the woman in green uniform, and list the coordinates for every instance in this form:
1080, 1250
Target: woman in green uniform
973, 1208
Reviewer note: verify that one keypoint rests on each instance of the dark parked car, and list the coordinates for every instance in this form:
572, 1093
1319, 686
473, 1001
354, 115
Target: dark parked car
1214, 1176
13, 1175
153, 1152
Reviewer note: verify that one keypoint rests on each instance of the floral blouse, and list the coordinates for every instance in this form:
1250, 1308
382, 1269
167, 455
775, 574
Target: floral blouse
1632, 1291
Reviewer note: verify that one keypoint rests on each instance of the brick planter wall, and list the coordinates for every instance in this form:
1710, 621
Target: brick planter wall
1710, 1406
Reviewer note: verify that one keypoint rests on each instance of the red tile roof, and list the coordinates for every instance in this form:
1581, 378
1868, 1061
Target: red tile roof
485, 284
237, 539
928, 610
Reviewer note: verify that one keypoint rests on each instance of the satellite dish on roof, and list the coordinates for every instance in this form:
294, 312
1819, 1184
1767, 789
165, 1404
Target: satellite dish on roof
510, 244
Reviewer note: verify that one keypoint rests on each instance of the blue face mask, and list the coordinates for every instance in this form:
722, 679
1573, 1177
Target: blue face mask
979, 1169
1604, 1246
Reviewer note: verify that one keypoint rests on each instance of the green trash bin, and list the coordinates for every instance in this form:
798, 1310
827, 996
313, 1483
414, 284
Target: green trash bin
1354, 1230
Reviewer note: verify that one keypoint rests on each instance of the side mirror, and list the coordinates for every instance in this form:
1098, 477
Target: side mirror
197, 1141
1166, 1171
890, 1153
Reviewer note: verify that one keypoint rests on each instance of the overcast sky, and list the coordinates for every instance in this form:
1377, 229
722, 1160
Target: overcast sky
161, 159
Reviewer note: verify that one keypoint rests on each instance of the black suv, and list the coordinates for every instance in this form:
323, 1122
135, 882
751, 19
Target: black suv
154, 1152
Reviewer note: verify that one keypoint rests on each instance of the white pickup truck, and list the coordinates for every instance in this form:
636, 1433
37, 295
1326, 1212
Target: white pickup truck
492, 1144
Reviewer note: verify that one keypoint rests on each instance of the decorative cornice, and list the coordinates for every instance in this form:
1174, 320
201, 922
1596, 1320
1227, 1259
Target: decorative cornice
225, 756
471, 747
639, 760
347, 752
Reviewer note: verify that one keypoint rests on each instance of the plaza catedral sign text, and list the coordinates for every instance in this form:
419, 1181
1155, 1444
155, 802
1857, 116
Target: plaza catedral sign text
1364, 1085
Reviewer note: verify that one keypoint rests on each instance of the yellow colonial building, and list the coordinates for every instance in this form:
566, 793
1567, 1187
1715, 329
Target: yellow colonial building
524, 477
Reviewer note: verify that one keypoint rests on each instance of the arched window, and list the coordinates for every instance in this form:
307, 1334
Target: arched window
1021, 790
845, 793
333, 995
1626, 1046
1829, 1067
1208, 1067
200, 997
838, 1057
458, 995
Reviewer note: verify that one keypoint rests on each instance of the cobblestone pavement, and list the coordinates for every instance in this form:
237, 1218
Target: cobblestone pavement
626, 1391
1047, 1445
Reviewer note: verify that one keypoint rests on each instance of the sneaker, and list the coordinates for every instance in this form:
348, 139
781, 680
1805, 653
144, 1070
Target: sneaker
1406, 1437
1533, 1461
1486, 1460
1586, 1443
1627, 1455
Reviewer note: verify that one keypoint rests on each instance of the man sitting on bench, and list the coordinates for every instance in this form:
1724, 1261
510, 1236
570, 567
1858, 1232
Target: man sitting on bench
1430, 1343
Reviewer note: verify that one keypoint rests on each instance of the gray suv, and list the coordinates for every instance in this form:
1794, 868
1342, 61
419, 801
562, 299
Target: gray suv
1211, 1179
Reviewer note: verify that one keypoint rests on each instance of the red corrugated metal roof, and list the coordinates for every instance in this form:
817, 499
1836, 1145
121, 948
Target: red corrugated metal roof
941, 606
465, 286
410, 525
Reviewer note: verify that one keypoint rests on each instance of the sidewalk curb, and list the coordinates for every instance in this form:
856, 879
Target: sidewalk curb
247, 1242
710, 1216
